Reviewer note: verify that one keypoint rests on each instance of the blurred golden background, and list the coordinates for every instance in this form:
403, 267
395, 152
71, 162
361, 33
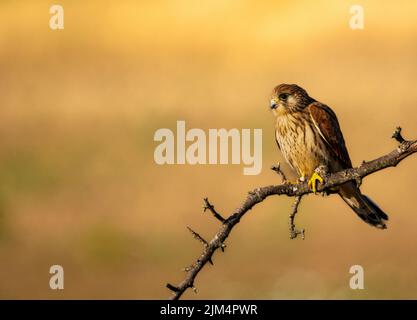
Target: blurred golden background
79, 107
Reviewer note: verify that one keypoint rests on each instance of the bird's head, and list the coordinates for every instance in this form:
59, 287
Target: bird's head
288, 98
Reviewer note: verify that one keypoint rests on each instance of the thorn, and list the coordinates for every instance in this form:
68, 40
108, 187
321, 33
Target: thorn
172, 288
211, 261
186, 269
198, 237
222, 247
194, 289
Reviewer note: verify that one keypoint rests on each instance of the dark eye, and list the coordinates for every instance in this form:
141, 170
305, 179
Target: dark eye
283, 96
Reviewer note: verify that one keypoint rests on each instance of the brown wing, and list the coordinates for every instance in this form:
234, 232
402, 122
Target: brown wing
325, 121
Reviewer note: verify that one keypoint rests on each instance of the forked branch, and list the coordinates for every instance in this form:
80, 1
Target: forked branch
297, 190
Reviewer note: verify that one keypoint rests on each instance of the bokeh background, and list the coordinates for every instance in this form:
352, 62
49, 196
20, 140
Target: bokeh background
79, 107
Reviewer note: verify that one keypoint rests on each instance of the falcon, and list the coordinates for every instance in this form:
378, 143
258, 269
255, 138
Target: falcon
308, 134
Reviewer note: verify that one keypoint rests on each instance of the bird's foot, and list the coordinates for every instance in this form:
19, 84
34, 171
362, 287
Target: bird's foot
312, 183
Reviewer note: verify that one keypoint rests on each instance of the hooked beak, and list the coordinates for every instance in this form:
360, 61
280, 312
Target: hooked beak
273, 104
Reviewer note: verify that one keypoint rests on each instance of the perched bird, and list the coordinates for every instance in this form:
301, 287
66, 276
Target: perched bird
308, 134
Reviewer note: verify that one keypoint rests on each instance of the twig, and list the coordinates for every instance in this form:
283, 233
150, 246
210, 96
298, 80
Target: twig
201, 239
173, 288
293, 231
281, 173
397, 135
210, 207
256, 196
198, 237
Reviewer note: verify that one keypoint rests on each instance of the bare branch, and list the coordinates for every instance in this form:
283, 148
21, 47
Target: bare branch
198, 237
293, 231
281, 173
210, 207
256, 196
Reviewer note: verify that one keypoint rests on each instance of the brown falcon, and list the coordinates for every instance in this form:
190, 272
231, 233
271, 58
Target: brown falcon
308, 134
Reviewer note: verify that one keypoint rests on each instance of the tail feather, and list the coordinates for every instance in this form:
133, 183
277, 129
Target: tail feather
364, 207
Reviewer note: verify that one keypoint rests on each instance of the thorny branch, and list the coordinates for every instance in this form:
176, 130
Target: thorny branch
296, 190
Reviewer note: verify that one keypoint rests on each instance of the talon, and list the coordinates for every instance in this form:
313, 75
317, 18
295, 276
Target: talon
312, 183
